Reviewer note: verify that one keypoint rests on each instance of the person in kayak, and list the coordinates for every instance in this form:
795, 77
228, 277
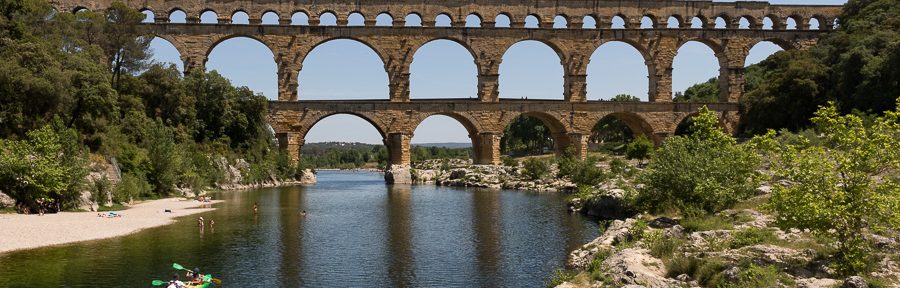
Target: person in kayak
175, 283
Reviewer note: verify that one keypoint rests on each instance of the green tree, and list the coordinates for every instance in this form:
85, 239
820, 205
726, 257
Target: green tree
702, 92
50, 163
526, 135
639, 149
535, 168
844, 188
625, 98
704, 172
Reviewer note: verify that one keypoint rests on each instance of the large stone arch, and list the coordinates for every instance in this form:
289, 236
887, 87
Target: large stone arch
219, 40
645, 55
554, 46
307, 123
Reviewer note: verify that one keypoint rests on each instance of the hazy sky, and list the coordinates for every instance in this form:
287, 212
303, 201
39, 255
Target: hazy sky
345, 69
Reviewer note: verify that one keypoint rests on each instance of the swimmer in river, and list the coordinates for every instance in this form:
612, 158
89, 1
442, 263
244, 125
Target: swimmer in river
255, 208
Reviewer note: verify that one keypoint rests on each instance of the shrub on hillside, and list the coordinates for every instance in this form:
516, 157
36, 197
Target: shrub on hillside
704, 172
839, 191
535, 168
639, 149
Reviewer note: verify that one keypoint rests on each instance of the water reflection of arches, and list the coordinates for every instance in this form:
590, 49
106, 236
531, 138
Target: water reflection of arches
400, 232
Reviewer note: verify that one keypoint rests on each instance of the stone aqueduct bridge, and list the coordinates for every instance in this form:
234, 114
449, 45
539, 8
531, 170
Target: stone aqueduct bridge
485, 118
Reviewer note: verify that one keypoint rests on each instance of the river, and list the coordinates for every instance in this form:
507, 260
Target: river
358, 232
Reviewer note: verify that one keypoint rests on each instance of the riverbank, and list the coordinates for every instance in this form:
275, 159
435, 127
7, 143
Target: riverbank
18, 232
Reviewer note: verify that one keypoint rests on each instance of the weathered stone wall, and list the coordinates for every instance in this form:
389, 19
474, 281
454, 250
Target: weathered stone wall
569, 122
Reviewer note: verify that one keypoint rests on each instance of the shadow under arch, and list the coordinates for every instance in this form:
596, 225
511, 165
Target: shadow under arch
637, 124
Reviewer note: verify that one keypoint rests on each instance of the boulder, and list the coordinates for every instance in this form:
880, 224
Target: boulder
855, 282
398, 174
609, 205
307, 177
86, 202
635, 266
617, 232
6, 201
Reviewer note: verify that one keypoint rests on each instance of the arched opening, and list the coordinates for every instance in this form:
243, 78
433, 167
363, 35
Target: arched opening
209, 17
791, 23
698, 23
695, 73
327, 19
240, 17
270, 18
648, 22
721, 23
443, 69
413, 20
617, 68
612, 132
684, 127
502, 21
588, 22
532, 21
342, 69
767, 23
356, 19
442, 20
673, 22
83, 9
618, 22
149, 17
743, 23
531, 70
300, 18
560, 22
384, 19
813, 24
761, 51
163, 52
442, 137
532, 134
177, 16
473, 21
344, 141
246, 62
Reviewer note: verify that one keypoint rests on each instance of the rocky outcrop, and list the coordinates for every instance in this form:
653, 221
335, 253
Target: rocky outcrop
617, 232
398, 174
307, 176
6, 201
461, 173
635, 266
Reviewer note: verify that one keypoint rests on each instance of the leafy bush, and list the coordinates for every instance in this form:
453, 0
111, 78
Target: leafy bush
617, 166
839, 191
131, 187
639, 149
50, 163
704, 172
755, 276
509, 161
535, 168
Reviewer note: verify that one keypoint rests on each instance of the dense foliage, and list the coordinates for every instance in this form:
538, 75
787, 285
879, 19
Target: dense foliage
91, 71
856, 66
54, 167
705, 92
640, 148
704, 172
526, 135
845, 187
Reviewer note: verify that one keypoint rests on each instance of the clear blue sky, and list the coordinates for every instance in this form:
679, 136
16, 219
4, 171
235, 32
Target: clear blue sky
345, 69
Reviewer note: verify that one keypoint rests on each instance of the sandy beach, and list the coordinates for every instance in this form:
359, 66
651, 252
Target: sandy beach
31, 231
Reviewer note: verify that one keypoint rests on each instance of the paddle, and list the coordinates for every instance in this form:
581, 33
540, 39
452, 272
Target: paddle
158, 282
207, 278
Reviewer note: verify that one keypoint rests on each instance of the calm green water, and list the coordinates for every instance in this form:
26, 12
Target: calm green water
359, 232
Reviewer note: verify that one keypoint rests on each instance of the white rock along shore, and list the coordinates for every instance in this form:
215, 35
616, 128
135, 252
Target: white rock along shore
18, 232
